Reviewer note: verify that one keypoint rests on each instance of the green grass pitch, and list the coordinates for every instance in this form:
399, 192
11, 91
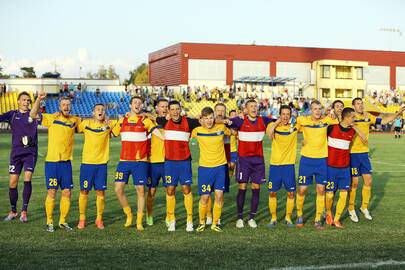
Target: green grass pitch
26, 246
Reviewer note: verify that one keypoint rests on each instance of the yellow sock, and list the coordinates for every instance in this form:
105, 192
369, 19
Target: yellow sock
170, 206
83, 198
100, 207
289, 208
341, 204
64, 209
320, 205
188, 204
329, 203
128, 211
366, 195
300, 205
209, 207
352, 198
49, 206
217, 213
273, 208
202, 212
139, 217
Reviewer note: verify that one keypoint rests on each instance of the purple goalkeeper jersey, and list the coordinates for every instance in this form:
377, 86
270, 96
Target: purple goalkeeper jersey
24, 132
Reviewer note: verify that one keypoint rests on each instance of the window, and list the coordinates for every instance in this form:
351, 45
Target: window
325, 92
360, 93
359, 71
325, 71
343, 93
343, 72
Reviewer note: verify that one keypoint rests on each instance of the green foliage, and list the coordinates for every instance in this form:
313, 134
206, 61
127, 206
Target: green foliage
140, 75
28, 72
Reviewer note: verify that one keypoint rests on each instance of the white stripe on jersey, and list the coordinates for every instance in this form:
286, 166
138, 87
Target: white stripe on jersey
251, 136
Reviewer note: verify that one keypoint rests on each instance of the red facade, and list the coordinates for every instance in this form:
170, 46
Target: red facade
169, 66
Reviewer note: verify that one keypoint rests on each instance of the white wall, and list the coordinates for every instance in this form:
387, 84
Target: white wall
377, 75
207, 70
400, 76
250, 68
300, 71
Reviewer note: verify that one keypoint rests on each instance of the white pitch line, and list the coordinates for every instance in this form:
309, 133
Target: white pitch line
387, 163
345, 266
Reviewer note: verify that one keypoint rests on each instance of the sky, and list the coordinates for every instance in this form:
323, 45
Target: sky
88, 33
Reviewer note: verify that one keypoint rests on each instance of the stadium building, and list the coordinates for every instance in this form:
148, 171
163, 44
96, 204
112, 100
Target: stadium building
322, 73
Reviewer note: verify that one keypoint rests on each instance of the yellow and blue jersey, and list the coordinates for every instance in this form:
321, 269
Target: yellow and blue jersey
315, 135
96, 147
61, 131
284, 145
363, 125
211, 142
157, 151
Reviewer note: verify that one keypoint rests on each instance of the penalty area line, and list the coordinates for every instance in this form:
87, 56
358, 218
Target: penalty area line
345, 266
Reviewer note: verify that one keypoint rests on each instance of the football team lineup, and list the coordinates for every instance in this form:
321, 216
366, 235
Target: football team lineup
155, 148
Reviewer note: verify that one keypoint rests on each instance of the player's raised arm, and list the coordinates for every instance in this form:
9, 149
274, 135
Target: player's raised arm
35, 107
272, 128
391, 117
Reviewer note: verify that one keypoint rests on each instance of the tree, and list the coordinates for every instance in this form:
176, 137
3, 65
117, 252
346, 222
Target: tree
101, 73
111, 74
140, 75
90, 75
28, 72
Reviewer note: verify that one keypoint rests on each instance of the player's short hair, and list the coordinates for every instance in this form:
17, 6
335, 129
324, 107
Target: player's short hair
219, 104
65, 98
174, 102
24, 93
250, 101
232, 111
336, 102
315, 102
346, 112
207, 111
285, 107
135, 97
161, 100
355, 99
98, 104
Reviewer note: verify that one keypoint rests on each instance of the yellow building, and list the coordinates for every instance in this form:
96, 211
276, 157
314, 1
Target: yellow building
337, 79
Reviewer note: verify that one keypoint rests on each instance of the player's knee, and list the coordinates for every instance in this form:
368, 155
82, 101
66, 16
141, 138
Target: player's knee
152, 192
170, 191
272, 194
119, 190
290, 195
186, 190
84, 192
100, 193
140, 191
242, 185
51, 193
66, 193
255, 186
204, 199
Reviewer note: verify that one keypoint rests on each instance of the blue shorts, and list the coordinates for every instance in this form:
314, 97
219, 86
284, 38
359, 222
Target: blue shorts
156, 172
360, 164
178, 171
93, 175
310, 168
234, 157
281, 175
338, 178
211, 179
138, 169
58, 174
